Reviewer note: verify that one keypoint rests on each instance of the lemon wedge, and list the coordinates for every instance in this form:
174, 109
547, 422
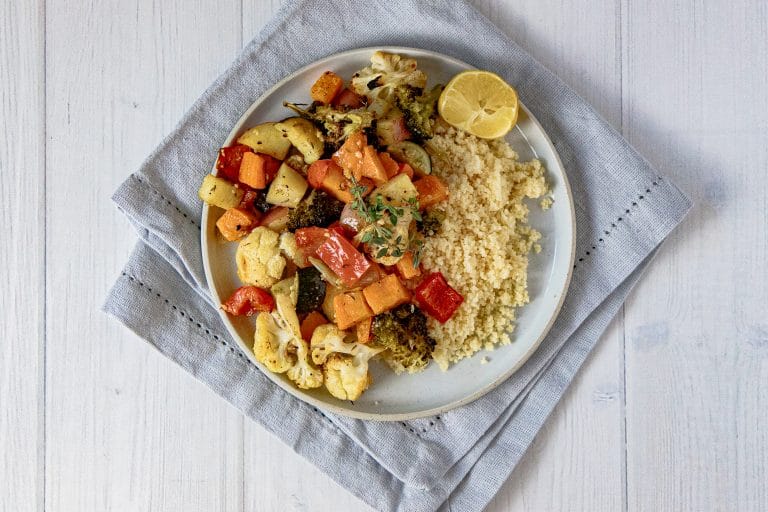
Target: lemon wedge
479, 102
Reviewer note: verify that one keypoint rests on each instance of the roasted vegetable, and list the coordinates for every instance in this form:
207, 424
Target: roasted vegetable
236, 223
310, 323
248, 300
258, 258
288, 287
328, 339
345, 365
327, 87
431, 191
347, 377
410, 153
403, 331
318, 209
304, 374
311, 290
255, 201
219, 192
398, 191
271, 344
229, 161
392, 128
336, 123
288, 188
305, 136
420, 110
437, 298
379, 80
430, 222
385, 294
267, 139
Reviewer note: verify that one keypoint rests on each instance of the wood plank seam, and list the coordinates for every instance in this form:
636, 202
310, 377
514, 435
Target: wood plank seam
43, 378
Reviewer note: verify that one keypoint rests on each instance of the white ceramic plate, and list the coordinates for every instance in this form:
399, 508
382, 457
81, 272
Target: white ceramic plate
400, 397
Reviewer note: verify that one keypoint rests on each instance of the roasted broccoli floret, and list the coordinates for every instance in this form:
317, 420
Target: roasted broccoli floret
420, 110
318, 209
336, 123
403, 331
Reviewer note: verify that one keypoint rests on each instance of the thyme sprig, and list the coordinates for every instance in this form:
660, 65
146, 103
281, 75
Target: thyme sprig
378, 234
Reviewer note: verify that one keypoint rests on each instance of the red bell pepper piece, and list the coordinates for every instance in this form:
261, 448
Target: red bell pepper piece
342, 258
230, 158
309, 239
437, 298
339, 228
248, 300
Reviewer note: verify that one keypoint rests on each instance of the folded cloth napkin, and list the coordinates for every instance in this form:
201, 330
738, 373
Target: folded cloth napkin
624, 210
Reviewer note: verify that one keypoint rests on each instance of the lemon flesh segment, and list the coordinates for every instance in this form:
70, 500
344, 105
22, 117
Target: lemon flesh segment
479, 102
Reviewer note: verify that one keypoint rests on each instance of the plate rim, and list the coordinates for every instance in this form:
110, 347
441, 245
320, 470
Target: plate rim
326, 406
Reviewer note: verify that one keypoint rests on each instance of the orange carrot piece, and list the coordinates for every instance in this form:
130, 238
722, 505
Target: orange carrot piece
256, 169
311, 322
235, 223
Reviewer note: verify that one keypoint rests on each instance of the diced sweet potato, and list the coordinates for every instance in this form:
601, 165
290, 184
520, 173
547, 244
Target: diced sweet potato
311, 322
256, 170
317, 172
350, 155
363, 330
337, 185
431, 191
326, 87
405, 266
391, 166
372, 167
350, 308
386, 294
236, 223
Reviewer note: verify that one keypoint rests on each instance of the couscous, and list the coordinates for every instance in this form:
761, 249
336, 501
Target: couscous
483, 252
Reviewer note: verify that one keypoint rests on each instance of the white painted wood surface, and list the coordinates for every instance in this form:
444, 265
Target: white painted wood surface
668, 414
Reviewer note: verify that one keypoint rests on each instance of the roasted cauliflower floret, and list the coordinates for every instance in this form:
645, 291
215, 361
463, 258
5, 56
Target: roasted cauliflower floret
387, 71
304, 373
278, 344
347, 376
271, 344
258, 257
327, 339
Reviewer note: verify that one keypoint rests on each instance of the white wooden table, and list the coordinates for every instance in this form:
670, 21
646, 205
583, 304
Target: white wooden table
669, 413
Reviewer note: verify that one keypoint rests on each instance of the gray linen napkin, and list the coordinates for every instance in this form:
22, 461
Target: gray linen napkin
624, 210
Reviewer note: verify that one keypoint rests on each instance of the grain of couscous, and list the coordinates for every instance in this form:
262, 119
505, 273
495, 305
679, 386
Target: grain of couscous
482, 246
